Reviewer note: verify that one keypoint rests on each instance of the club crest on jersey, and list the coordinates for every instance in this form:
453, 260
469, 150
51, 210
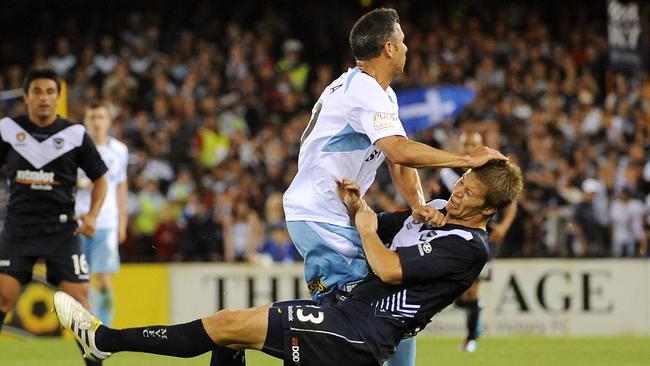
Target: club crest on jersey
424, 249
20, 136
58, 142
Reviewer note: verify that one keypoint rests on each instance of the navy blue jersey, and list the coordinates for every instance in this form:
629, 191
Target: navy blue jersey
438, 265
41, 165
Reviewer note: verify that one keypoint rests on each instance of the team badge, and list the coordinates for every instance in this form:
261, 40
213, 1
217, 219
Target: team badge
383, 120
424, 249
20, 136
58, 142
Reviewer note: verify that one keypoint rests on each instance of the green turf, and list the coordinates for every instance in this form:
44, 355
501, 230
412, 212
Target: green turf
431, 351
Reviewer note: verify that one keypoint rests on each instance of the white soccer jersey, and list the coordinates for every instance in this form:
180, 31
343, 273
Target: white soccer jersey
351, 114
116, 158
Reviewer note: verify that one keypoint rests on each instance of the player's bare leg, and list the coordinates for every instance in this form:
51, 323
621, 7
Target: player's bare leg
469, 301
9, 291
238, 329
101, 298
78, 290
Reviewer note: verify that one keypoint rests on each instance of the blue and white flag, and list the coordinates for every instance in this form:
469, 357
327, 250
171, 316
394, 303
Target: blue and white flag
426, 107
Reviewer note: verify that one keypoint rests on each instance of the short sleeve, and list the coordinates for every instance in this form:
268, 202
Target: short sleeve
89, 159
438, 258
375, 109
124, 163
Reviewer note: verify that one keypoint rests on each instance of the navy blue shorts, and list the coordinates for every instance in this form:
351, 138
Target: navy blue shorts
60, 250
304, 333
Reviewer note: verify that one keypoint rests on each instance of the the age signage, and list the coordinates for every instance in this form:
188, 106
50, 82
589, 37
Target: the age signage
560, 297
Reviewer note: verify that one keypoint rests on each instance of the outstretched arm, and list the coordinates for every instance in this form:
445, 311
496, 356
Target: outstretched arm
400, 150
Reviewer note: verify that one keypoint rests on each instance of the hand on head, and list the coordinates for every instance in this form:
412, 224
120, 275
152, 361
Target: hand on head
482, 155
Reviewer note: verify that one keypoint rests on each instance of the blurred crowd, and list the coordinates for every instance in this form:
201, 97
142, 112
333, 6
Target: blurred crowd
212, 111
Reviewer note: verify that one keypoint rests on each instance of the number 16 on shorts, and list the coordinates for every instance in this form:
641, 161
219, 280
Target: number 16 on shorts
80, 264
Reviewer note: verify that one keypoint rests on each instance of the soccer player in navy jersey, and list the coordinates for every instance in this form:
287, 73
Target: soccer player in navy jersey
41, 153
417, 270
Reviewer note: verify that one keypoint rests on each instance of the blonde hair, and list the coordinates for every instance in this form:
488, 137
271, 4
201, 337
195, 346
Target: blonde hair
503, 180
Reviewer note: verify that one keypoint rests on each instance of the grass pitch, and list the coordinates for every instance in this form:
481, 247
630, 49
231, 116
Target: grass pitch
431, 351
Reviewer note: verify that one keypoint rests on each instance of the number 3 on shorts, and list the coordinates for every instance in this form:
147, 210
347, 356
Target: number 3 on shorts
80, 264
309, 317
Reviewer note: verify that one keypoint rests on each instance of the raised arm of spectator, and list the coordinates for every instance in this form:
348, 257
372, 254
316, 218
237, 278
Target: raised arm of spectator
500, 229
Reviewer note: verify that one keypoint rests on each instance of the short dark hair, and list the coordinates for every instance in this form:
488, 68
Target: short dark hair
95, 103
371, 31
503, 181
41, 74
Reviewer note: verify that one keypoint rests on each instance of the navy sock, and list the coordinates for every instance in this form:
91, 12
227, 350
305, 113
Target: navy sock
182, 340
2, 319
472, 318
223, 356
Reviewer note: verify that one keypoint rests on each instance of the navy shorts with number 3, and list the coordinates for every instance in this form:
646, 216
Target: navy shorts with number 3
319, 335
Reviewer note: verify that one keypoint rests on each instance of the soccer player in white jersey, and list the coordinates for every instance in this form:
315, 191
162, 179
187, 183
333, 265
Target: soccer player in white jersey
354, 126
102, 250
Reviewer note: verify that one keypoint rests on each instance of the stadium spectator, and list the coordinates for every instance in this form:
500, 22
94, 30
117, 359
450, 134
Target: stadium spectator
64, 60
106, 60
277, 246
243, 233
590, 234
181, 188
628, 216
168, 236
149, 204
204, 236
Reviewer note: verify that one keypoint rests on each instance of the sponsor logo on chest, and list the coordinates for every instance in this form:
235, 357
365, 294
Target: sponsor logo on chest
38, 180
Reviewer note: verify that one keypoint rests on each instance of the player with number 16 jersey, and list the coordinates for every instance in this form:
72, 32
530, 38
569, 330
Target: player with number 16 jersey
40, 153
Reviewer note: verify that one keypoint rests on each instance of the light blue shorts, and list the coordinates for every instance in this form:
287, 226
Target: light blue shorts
102, 251
333, 256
